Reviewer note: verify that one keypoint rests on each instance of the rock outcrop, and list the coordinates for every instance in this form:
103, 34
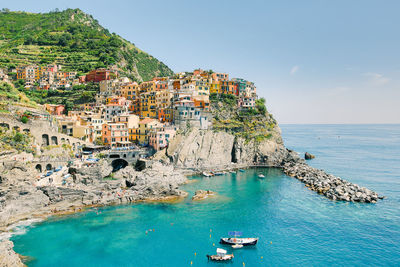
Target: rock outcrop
8, 257
21, 199
207, 149
308, 156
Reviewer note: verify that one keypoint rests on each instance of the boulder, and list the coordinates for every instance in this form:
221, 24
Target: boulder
308, 156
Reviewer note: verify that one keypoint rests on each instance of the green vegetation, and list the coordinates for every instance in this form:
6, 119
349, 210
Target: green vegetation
24, 119
9, 94
110, 177
11, 139
252, 124
78, 94
74, 40
101, 155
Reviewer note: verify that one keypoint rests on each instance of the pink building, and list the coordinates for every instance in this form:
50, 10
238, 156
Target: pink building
160, 138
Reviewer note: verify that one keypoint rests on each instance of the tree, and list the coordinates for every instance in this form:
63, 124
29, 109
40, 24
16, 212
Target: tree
260, 106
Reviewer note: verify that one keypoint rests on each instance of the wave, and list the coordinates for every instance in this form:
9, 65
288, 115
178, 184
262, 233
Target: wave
18, 228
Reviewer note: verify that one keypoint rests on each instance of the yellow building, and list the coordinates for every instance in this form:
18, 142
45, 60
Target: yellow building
145, 126
130, 91
163, 99
146, 87
148, 108
215, 88
134, 135
202, 87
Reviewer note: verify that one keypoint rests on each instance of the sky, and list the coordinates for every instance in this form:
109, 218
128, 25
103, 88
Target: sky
314, 61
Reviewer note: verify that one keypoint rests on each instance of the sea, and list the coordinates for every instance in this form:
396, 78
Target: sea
295, 226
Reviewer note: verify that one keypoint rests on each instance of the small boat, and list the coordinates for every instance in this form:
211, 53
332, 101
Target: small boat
261, 175
239, 241
241, 170
218, 173
232, 171
221, 256
207, 174
237, 246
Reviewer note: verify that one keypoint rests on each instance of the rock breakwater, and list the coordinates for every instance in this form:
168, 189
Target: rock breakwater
332, 187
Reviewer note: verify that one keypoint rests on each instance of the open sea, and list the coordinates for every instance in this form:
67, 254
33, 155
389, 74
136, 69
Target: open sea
296, 226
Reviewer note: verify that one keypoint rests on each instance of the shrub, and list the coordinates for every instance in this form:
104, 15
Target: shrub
24, 119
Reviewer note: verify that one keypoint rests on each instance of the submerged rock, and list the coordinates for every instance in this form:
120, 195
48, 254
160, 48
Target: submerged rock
203, 194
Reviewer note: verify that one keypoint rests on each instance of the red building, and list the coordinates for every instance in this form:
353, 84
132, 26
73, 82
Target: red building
100, 75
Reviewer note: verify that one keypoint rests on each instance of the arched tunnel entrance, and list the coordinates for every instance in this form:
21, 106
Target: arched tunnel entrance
45, 140
118, 164
48, 167
38, 168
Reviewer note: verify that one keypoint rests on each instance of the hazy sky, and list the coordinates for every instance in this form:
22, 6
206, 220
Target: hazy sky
319, 61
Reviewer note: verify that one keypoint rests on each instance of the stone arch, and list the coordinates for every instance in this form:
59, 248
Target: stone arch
49, 167
27, 130
124, 155
62, 140
54, 140
17, 128
38, 167
45, 140
5, 125
67, 140
114, 156
118, 164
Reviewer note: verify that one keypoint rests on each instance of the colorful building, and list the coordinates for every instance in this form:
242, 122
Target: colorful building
159, 138
145, 126
56, 110
100, 75
115, 134
148, 107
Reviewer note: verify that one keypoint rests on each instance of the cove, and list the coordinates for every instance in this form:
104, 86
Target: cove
295, 225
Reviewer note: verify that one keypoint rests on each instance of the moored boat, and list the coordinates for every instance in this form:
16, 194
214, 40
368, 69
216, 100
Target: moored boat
249, 241
207, 174
261, 175
241, 170
220, 256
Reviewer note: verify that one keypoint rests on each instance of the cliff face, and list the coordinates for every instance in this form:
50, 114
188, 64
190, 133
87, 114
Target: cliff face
207, 149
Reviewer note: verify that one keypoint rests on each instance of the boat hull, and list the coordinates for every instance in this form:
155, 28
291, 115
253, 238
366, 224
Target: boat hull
239, 241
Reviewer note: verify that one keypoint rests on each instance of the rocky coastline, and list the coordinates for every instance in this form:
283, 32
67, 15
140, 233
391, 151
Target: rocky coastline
21, 198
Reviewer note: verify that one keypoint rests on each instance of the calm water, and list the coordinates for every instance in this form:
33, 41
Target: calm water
295, 225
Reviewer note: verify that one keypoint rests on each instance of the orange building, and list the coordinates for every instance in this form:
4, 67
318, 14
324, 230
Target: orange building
115, 134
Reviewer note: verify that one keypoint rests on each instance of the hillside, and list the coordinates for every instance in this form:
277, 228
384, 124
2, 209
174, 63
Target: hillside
251, 125
74, 40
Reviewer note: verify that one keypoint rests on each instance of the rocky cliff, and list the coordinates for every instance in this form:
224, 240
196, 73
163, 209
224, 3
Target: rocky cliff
208, 149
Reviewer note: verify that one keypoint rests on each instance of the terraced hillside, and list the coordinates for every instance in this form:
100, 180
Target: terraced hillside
73, 39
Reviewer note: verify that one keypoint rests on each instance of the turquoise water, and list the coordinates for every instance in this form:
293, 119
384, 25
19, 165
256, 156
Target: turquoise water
296, 226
